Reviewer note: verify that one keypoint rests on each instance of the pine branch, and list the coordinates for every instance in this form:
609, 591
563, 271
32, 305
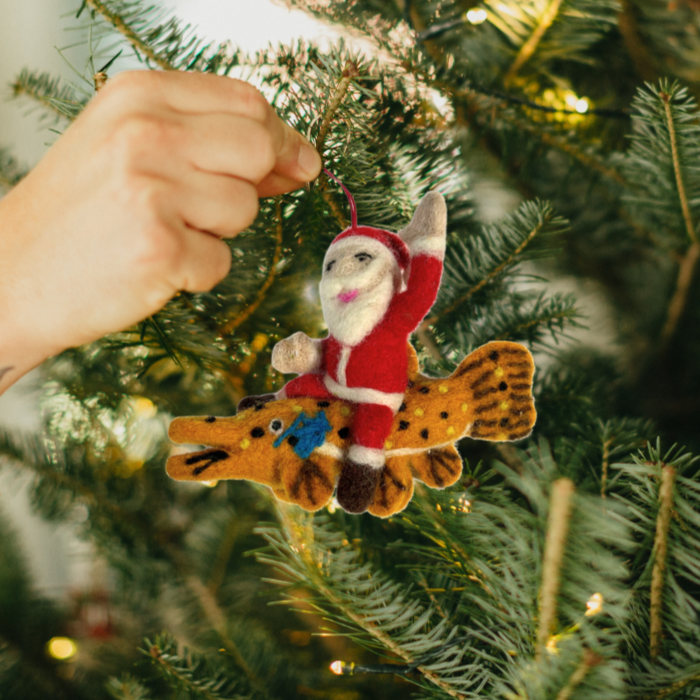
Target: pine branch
11, 172
530, 46
227, 327
160, 40
116, 19
58, 100
189, 672
387, 615
663, 521
482, 110
557, 526
127, 688
217, 619
532, 319
683, 197
676, 307
589, 661
350, 72
485, 259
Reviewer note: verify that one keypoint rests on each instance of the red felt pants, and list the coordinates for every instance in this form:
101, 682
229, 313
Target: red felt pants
371, 423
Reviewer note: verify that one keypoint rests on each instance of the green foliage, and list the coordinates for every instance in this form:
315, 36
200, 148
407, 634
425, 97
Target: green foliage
156, 37
577, 26
11, 172
449, 593
58, 101
665, 117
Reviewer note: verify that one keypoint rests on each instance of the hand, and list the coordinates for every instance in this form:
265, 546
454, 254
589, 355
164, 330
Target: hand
297, 354
130, 204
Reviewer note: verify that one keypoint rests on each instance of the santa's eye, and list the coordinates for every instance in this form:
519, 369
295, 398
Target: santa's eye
329, 266
362, 257
276, 426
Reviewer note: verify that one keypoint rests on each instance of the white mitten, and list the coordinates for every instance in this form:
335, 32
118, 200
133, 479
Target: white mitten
297, 354
427, 231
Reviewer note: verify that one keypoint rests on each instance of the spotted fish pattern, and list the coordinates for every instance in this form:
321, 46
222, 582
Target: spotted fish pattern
488, 397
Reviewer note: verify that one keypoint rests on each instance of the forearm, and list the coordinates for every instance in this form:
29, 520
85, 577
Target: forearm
21, 347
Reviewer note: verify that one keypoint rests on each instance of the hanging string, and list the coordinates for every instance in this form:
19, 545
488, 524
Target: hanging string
353, 208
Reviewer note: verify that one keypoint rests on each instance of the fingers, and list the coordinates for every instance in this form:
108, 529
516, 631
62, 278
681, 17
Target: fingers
275, 184
204, 261
247, 149
225, 113
191, 93
296, 158
216, 203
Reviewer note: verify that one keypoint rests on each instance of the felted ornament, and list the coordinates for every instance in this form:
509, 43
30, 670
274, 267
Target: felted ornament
360, 420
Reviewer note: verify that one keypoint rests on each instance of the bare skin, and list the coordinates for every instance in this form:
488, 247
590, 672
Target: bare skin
129, 207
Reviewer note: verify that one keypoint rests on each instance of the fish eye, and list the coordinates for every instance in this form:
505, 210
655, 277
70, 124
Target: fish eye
329, 266
276, 426
362, 257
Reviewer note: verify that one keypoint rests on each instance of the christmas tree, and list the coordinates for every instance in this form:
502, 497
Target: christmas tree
563, 566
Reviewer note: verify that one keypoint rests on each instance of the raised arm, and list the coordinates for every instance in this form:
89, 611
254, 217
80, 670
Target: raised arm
425, 237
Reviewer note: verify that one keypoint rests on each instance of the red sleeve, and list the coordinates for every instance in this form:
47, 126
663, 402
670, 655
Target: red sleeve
409, 308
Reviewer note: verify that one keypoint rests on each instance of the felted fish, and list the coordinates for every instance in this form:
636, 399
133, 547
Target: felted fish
296, 446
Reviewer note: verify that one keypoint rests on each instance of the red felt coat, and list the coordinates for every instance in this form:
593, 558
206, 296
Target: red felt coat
380, 361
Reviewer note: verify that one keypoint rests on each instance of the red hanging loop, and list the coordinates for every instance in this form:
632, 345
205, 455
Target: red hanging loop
353, 208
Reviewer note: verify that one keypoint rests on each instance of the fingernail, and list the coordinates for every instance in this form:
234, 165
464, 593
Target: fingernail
309, 161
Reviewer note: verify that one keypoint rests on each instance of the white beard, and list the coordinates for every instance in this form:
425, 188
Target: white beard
350, 323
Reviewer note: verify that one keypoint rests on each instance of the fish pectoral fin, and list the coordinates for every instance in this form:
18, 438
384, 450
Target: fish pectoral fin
395, 488
438, 467
309, 482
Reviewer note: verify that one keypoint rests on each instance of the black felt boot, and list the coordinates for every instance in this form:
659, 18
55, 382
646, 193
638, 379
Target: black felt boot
356, 486
250, 401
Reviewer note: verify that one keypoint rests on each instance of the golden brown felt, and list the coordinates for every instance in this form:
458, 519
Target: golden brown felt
488, 397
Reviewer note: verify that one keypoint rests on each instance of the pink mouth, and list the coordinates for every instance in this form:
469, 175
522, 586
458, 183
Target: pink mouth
347, 297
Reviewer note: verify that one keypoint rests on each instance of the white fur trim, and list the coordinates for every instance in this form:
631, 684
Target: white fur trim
429, 245
366, 455
331, 450
343, 364
361, 394
352, 322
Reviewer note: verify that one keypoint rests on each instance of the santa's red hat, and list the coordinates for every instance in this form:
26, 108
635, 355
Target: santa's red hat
391, 240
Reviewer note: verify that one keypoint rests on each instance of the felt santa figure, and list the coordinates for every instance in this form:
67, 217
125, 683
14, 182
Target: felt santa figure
376, 288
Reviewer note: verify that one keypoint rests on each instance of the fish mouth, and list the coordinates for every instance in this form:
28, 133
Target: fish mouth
347, 297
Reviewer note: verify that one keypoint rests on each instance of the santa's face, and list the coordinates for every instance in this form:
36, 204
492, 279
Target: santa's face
360, 277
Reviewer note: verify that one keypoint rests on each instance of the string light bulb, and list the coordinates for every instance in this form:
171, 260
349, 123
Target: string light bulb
581, 105
337, 667
594, 605
477, 16
61, 648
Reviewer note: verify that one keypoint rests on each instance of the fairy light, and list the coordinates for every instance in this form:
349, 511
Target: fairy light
594, 605
144, 408
210, 484
337, 667
333, 506
477, 16
463, 505
581, 105
61, 648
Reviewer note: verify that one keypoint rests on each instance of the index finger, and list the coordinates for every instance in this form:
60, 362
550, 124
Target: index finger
202, 93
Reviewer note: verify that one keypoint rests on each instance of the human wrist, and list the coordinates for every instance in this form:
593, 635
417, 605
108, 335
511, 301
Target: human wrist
21, 348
